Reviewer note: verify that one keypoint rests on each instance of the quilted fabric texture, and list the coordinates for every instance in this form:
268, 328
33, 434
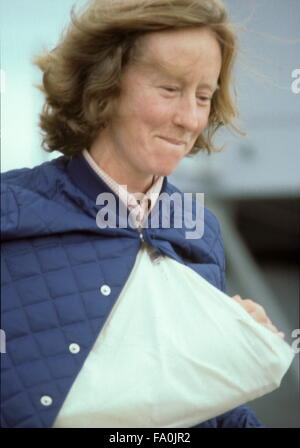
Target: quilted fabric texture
61, 275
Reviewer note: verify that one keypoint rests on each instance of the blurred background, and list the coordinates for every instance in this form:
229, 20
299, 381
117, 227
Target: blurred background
253, 185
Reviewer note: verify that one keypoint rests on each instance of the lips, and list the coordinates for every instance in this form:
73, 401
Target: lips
174, 141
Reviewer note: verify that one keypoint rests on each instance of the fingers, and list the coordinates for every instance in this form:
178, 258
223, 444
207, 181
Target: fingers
274, 330
258, 313
247, 304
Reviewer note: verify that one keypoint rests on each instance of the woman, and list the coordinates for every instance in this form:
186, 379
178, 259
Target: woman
131, 89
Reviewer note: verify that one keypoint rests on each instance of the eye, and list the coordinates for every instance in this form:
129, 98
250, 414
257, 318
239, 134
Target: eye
169, 89
205, 99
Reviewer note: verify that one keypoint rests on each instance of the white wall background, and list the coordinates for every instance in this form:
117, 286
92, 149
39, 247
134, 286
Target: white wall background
266, 161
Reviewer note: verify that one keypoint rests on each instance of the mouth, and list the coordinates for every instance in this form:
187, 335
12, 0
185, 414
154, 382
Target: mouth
174, 141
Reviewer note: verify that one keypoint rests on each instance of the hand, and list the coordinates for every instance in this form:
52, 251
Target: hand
258, 313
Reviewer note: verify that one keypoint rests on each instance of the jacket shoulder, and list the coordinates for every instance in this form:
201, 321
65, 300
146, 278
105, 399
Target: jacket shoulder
209, 217
25, 186
29, 178
211, 238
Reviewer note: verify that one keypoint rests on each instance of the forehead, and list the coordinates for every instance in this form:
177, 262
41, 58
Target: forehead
181, 52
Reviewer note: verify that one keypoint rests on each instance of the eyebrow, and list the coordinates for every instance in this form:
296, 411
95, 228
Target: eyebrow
211, 87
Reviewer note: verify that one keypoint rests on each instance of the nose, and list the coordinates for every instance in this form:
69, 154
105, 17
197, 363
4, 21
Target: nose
188, 114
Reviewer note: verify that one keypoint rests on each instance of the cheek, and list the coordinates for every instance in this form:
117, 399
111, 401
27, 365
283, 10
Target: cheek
203, 121
152, 112
205, 116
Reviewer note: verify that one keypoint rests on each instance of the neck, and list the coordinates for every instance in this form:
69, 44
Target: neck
118, 169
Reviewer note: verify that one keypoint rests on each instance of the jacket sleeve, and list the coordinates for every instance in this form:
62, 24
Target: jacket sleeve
222, 265
240, 417
217, 248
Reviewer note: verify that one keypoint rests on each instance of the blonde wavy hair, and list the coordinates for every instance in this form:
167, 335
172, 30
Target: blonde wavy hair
81, 76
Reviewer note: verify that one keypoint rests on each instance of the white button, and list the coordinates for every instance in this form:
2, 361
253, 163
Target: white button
46, 400
105, 289
74, 348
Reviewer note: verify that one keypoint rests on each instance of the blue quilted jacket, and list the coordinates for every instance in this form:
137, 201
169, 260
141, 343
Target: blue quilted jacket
61, 275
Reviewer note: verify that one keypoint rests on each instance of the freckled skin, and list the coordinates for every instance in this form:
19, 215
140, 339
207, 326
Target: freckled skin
162, 97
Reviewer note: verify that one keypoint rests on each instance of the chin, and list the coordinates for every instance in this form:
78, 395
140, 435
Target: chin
164, 166
166, 170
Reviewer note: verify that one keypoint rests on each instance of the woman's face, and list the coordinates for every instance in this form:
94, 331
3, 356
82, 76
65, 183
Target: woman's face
163, 107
